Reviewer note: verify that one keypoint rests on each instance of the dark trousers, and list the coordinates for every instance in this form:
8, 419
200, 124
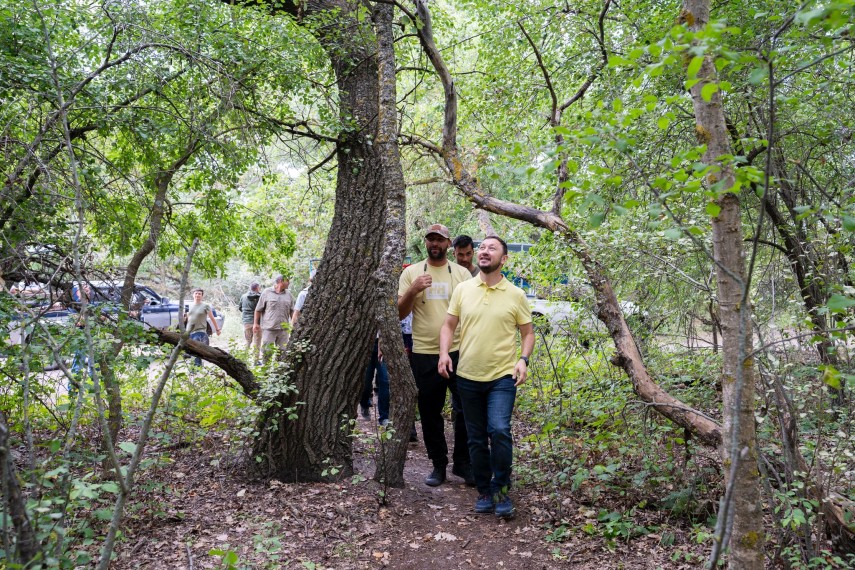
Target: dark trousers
488, 407
432, 389
382, 379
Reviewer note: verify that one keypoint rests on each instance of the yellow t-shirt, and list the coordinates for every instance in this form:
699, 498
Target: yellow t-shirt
488, 321
431, 305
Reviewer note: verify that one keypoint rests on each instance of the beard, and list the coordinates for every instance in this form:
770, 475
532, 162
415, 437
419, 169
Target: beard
486, 266
437, 253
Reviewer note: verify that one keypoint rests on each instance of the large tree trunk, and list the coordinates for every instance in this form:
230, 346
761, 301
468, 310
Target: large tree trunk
390, 466
739, 449
331, 343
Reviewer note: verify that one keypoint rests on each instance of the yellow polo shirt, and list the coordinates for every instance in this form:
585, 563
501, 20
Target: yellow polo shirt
488, 321
431, 305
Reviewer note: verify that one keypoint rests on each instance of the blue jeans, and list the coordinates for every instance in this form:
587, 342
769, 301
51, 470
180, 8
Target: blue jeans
487, 408
382, 379
200, 336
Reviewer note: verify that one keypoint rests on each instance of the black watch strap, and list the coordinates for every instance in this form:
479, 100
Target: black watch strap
524, 359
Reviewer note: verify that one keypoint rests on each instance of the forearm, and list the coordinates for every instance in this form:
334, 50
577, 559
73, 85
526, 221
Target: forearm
446, 334
256, 318
527, 344
405, 303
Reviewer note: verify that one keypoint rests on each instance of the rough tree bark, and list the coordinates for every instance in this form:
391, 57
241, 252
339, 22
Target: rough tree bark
739, 448
330, 346
402, 384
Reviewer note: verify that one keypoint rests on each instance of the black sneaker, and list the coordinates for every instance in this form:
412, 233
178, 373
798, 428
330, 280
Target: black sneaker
414, 437
465, 473
484, 504
436, 477
366, 412
504, 508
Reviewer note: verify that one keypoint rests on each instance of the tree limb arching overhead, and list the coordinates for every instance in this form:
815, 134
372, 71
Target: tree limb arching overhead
627, 356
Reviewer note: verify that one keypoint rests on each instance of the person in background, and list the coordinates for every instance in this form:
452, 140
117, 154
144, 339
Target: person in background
489, 310
198, 316
425, 289
463, 253
273, 316
301, 300
407, 335
376, 372
247, 304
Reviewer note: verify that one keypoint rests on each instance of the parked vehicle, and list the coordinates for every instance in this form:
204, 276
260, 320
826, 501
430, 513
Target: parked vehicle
146, 305
151, 308
567, 317
52, 315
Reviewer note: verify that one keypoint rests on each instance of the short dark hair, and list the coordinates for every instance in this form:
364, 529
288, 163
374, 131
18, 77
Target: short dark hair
199, 289
501, 241
461, 241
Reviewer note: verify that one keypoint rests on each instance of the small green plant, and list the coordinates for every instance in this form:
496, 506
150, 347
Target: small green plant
228, 558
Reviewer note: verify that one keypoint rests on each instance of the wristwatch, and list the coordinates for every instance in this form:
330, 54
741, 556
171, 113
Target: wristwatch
524, 359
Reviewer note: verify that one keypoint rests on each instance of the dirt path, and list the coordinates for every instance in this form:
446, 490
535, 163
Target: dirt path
191, 505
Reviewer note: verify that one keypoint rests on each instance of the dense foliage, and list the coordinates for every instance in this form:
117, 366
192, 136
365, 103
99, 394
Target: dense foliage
131, 129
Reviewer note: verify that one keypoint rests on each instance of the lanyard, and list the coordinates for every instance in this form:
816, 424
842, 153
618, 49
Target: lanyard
424, 270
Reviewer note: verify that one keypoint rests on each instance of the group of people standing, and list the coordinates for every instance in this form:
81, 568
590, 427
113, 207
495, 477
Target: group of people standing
269, 315
465, 320
462, 319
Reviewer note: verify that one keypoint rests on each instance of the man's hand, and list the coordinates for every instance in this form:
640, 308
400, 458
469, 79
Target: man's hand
445, 366
256, 328
421, 283
520, 372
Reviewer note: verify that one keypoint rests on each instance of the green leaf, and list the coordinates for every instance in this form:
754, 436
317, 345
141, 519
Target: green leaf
831, 377
595, 220
708, 91
839, 303
618, 61
713, 209
694, 66
673, 233
849, 223
663, 122
128, 446
636, 53
758, 75
617, 105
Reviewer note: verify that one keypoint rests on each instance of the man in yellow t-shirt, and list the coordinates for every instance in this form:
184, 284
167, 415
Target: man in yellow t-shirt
425, 289
487, 311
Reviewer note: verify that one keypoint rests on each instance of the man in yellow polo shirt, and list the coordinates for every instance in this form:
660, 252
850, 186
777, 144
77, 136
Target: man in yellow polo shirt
487, 311
425, 289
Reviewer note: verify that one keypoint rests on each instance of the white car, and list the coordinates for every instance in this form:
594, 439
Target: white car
573, 317
56, 314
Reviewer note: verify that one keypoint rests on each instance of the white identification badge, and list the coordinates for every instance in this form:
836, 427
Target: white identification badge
438, 291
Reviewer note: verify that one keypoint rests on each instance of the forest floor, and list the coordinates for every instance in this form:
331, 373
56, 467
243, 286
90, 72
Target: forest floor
192, 503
